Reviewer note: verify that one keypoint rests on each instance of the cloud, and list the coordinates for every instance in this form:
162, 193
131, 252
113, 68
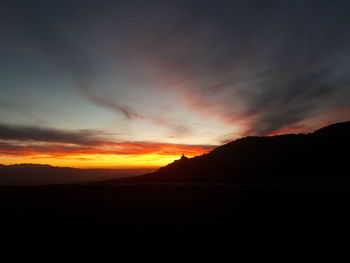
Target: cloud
32, 141
269, 64
105, 148
41, 134
130, 113
104, 102
287, 102
272, 65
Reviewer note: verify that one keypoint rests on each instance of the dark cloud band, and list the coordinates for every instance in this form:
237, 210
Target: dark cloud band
33, 133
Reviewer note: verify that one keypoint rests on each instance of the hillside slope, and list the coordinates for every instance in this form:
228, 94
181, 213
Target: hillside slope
318, 157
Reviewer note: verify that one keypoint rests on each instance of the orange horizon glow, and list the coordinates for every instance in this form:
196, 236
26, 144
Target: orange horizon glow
150, 157
95, 152
101, 161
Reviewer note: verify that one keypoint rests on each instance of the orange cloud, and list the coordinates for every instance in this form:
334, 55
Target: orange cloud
111, 154
120, 148
85, 148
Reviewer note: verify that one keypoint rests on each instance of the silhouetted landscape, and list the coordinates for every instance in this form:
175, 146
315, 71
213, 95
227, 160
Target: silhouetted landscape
288, 189
39, 174
227, 121
318, 157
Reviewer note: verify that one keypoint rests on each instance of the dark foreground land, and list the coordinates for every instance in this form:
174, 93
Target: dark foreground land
144, 204
284, 218
282, 196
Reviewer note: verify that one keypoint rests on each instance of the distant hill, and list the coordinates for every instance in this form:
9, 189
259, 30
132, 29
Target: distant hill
42, 174
318, 157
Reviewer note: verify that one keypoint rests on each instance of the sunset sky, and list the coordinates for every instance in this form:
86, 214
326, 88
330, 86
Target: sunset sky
138, 83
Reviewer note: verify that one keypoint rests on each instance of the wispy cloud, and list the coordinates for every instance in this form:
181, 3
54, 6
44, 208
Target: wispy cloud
131, 114
128, 112
267, 64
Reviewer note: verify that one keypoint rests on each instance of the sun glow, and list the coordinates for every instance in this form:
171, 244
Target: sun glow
98, 160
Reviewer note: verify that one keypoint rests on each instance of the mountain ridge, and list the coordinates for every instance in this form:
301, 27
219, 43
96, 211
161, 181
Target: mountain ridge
44, 174
315, 157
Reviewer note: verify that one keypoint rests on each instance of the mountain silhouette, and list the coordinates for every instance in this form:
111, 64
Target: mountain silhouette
43, 174
318, 157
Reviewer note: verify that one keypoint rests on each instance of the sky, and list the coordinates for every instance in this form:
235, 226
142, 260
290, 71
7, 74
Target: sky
138, 83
